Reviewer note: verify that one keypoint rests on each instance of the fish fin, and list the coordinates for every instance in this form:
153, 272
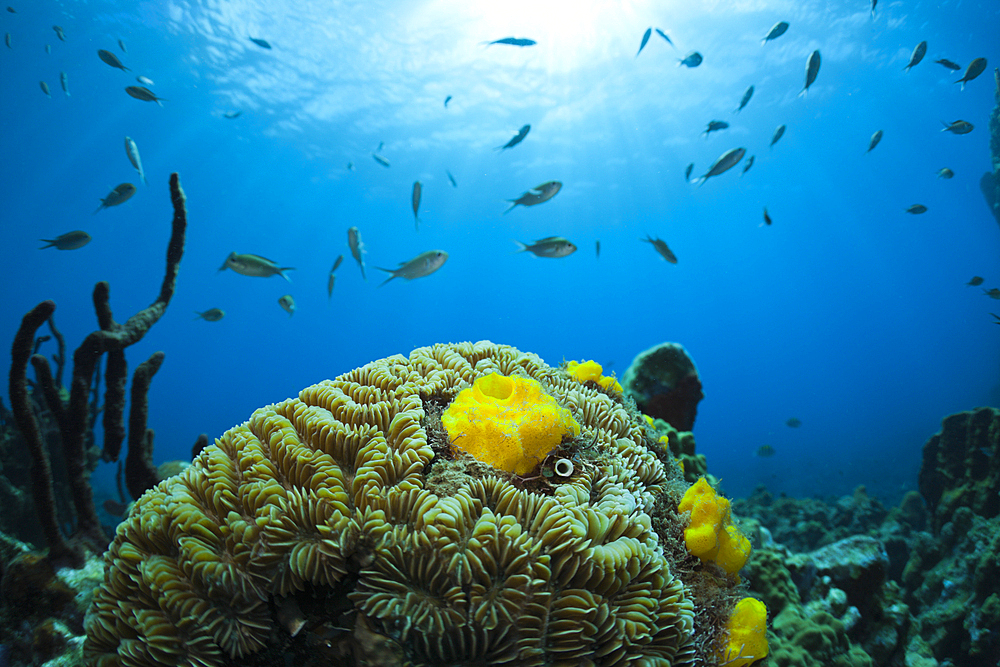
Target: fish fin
803, 93
99, 208
281, 272
521, 247
50, 242
391, 271
511, 207
416, 222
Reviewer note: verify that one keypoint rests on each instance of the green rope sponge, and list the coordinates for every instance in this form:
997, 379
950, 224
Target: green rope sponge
343, 526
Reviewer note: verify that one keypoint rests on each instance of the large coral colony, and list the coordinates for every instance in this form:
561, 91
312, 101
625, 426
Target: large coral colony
465, 505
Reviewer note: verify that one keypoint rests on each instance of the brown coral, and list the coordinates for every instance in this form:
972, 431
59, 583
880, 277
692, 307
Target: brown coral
348, 495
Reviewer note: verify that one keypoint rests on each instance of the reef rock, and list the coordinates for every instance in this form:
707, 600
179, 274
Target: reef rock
664, 383
961, 466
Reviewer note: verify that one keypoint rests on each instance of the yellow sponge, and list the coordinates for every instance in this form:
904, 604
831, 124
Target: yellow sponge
507, 422
584, 371
746, 634
711, 535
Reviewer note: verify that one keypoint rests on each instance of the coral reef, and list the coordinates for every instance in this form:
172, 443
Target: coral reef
682, 446
990, 181
664, 384
341, 526
74, 418
915, 586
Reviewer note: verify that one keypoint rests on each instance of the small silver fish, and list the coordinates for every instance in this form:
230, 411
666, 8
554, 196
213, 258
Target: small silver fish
111, 59
64, 82
48, 49
776, 31
597, 245
948, 64
262, 43
958, 127
664, 36
551, 246
746, 98
645, 38
812, 70
381, 160
145, 80
119, 195
415, 201
687, 172
133, 156
144, 94
536, 195
288, 303
67, 241
747, 166
59, 33
332, 277
873, 142
661, 247
45, 89
420, 266
917, 209
210, 315
918, 54
121, 45
975, 68
232, 114
726, 161
451, 178
715, 126
6, 40
357, 249
778, 133
255, 266
945, 173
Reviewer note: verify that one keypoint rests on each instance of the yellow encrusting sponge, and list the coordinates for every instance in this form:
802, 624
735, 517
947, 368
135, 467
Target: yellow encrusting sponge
507, 422
711, 535
584, 371
746, 634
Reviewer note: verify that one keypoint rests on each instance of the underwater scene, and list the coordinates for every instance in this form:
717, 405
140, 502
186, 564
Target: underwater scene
599, 333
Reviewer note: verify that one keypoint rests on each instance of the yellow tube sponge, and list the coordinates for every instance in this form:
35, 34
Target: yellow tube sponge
711, 535
746, 634
585, 371
507, 422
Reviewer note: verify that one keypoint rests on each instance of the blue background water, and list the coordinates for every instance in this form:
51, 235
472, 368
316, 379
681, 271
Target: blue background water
847, 313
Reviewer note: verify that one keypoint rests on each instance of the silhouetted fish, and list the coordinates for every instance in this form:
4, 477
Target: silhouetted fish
111, 59
692, 59
873, 142
645, 38
415, 200
975, 282
918, 54
746, 98
747, 166
778, 133
764, 451
975, 68
725, 162
451, 178
794, 422
812, 69
664, 36
262, 43
512, 41
949, 64
917, 209
446, 100
518, 138
776, 31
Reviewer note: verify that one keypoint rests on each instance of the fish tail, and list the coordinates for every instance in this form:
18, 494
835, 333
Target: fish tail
416, 222
99, 208
390, 271
803, 93
49, 241
763, 41
521, 247
511, 207
281, 272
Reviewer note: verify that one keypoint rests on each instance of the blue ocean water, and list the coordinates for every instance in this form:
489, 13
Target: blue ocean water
847, 312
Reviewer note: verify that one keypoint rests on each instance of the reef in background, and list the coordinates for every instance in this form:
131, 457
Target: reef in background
850, 582
990, 182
